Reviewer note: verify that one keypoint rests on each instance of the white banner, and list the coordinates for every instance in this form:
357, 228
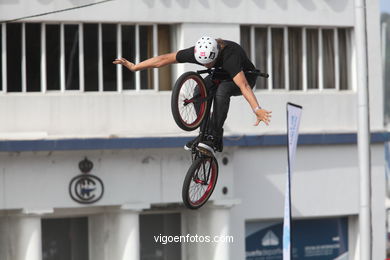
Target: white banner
293, 119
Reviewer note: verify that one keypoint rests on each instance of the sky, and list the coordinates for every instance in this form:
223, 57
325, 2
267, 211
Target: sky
385, 6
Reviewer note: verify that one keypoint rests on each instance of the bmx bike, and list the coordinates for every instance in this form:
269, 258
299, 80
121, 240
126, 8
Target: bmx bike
191, 104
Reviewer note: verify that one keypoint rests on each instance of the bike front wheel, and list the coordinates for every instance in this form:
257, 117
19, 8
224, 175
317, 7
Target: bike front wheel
189, 101
200, 182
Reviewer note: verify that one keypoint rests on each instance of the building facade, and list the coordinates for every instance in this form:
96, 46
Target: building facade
67, 112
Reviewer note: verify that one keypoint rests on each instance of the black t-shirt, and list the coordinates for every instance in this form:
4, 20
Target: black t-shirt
232, 58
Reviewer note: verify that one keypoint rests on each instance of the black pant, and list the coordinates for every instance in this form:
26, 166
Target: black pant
225, 90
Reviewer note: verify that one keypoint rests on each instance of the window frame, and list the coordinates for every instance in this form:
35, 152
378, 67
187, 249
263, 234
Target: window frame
337, 88
81, 59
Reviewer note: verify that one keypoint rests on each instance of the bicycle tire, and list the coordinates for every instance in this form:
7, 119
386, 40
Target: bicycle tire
188, 116
192, 177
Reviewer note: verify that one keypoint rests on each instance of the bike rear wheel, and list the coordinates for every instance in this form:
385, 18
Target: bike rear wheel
188, 101
200, 182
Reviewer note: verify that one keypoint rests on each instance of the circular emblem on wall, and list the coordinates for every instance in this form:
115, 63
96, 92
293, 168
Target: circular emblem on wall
86, 188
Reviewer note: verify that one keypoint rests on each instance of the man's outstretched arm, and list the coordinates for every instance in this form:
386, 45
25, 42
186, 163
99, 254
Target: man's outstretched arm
155, 62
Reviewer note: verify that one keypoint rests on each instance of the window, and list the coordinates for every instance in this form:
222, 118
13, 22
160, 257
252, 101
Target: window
128, 50
91, 55
33, 57
71, 57
299, 58
1, 62
53, 53
78, 57
278, 66
153, 225
14, 57
109, 52
312, 54
64, 239
164, 46
295, 58
260, 61
328, 55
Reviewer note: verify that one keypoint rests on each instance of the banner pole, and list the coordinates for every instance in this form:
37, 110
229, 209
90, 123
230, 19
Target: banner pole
293, 119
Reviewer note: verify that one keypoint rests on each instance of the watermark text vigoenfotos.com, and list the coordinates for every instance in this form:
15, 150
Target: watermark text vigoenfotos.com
164, 239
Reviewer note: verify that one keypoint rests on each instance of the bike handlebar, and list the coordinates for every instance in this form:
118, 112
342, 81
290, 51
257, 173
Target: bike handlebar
256, 72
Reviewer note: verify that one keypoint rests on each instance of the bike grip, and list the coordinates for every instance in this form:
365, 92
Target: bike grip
264, 75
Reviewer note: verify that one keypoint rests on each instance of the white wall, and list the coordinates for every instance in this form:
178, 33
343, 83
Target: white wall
136, 115
36, 181
324, 12
325, 183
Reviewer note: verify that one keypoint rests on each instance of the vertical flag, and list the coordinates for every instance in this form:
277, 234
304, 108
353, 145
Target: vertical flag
293, 119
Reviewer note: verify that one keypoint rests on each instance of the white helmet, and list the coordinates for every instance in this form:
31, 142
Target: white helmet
206, 50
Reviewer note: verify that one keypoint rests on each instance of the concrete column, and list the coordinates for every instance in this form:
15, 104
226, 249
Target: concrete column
213, 220
115, 235
20, 238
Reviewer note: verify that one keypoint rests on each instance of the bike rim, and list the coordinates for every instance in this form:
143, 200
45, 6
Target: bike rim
186, 107
200, 189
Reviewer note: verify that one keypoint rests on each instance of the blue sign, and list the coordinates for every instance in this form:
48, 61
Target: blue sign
314, 239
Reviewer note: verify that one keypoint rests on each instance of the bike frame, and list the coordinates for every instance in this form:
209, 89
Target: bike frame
217, 76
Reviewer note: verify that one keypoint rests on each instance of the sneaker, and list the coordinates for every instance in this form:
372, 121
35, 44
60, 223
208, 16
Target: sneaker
207, 147
211, 145
188, 146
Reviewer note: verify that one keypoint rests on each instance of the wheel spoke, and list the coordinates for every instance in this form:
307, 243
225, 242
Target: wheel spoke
187, 111
200, 187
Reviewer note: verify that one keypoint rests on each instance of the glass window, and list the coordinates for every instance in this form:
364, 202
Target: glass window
65, 238
91, 57
295, 58
146, 52
278, 58
53, 56
65, 38
245, 36
328, 58
128, 52
312, 54
1, 61
109, 54
14, 57
153, 225
164, 46
33, 56
71, 57
261, 55
295, 48
343, 59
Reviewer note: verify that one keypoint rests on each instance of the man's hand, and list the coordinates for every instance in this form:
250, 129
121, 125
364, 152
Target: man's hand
263, 115
125, 63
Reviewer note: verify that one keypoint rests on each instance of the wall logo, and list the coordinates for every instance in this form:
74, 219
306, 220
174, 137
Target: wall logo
86, 188
270, 239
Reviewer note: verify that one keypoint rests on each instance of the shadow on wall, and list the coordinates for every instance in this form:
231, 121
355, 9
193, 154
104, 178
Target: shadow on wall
232, 3
308, 4
337, 6
204, 3
46, 2
168, 3
184, 3
260, 3
8, 2
282, 4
